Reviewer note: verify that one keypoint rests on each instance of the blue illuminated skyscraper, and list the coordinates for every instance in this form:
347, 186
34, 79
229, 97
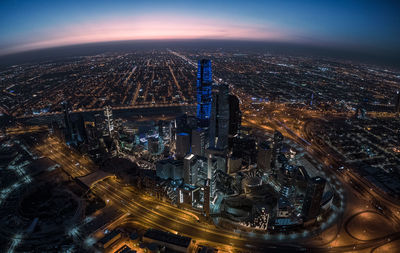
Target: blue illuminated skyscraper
204, 84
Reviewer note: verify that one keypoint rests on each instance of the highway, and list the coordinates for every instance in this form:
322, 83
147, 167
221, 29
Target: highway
72, 162
171, 219
388, 204
150, 212
26, 129
133, 106
293, 124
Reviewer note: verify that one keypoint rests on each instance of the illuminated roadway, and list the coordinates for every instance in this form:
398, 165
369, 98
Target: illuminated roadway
148, 211
274, 116
114, 108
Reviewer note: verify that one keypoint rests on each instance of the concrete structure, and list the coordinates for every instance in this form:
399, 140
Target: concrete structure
235, 115
219, 122
264, 155
189, 171
92, 178
206, 200
199, 141
170, 168
153, 145
276, 147
182, 145
234, 164
108, 120
313, 197
215, 161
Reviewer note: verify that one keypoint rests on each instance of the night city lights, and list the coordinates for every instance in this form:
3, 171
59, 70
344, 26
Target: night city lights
200, 126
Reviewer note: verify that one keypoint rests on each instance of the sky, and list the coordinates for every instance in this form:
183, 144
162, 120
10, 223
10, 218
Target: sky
362, 24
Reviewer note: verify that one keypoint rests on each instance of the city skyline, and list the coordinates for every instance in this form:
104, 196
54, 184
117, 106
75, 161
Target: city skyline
208, 126
309, 164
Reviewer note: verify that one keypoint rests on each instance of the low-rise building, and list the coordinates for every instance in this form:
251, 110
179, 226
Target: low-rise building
170, 241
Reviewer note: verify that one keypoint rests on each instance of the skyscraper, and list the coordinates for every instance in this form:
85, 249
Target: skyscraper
397, 102
81, 134
199, 141
216, 160
235, 116
206, 198
182, 145
312, 200
204, 85
277, 146
264, 155
68, 123
189, 170
219, 122
109, 119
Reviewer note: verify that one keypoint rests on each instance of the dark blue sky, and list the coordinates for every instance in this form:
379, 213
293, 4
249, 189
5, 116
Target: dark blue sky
367, 25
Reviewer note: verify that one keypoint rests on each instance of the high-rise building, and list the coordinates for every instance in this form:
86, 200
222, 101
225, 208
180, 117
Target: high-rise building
264, 155
219, 122
189, 169
206, 198
235, 116
216, 160
99, 122
80, 129
397, 102
57, 130
204, 86
277, 146
182, 145
245, 147
313, 197
109, 120
153, 144
199, 141
68, 123
169, 168
234, 164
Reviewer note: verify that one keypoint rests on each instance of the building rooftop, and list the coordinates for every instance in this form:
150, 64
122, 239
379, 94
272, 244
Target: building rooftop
125, 249
166, 237
108, 237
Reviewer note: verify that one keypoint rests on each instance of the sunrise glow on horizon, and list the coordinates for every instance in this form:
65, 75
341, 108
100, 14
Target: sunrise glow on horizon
150, 28
30, 25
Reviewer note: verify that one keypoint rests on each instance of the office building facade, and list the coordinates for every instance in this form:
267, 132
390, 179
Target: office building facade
204, 87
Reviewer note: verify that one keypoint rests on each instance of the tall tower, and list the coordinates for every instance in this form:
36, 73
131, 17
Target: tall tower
235, 115
276, 147
397, 102
264, 155
199, 141
206, 198
204, 84
68, 123
219, 122
312, 201
182, 145
189, 169
109, 120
